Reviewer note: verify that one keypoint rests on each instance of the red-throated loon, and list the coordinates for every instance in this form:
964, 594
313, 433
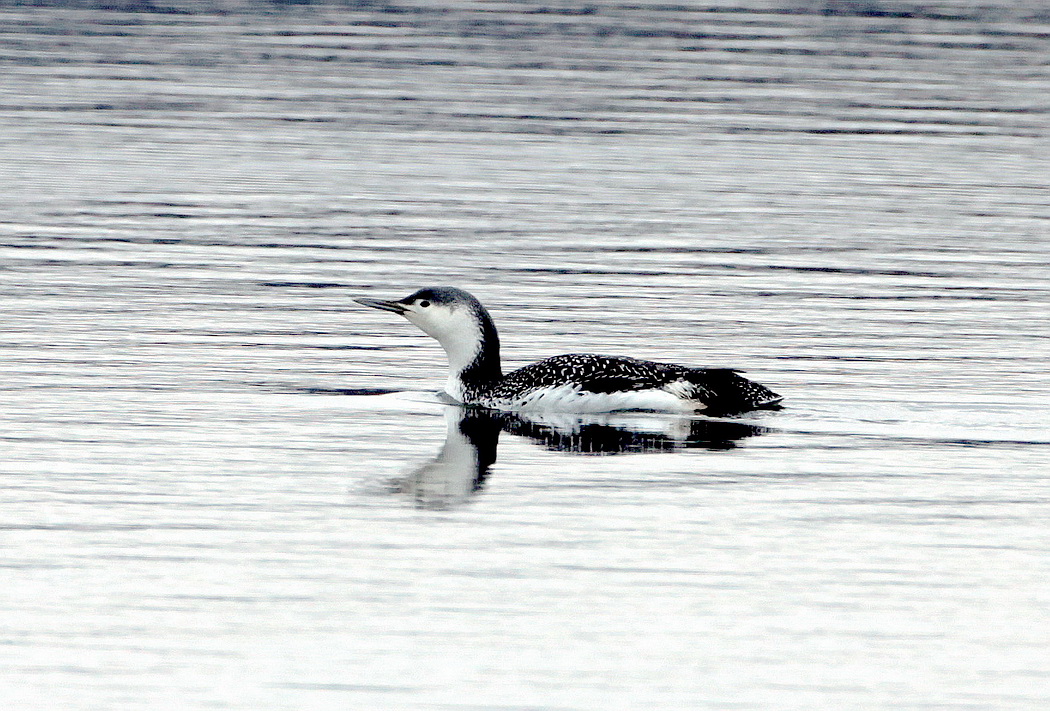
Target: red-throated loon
577, 382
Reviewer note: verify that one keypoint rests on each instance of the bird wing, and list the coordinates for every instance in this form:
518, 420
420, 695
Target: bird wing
597, 373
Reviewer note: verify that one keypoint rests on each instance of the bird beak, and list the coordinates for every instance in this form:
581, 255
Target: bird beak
395, 306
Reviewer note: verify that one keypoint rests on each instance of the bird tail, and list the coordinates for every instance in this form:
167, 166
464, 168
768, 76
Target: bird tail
726, 391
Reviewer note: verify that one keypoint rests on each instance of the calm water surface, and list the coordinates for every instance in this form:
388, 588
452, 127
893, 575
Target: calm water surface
227, 486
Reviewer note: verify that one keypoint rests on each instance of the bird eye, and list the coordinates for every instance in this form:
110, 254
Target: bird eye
424, 303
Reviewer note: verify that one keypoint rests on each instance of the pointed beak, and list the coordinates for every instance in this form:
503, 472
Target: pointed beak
395, 306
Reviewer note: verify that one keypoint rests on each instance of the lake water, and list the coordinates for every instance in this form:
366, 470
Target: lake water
227, 486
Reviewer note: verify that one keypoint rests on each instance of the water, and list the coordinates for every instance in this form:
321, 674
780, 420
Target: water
228, 485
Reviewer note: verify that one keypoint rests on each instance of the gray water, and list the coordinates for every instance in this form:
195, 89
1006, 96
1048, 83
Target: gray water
227, 486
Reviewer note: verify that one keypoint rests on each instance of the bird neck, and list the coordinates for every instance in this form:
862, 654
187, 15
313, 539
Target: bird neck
473, 362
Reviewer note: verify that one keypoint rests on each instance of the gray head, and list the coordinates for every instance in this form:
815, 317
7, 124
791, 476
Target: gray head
457, 320
440, 311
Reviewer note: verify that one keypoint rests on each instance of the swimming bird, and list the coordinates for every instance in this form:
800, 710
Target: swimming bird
576, 382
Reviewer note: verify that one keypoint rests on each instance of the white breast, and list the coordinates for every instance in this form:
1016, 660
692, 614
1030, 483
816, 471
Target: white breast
571, 398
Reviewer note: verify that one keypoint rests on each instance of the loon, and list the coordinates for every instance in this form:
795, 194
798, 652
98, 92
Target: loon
577, 382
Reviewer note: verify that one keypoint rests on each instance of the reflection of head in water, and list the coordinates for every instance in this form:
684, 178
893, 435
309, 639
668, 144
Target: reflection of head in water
462, 465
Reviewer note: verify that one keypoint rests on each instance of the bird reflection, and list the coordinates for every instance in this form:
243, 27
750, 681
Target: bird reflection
462, 465
625, 433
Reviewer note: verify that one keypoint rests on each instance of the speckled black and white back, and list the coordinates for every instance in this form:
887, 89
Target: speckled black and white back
583, 382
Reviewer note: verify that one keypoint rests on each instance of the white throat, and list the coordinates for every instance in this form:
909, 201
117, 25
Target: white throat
462, 346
